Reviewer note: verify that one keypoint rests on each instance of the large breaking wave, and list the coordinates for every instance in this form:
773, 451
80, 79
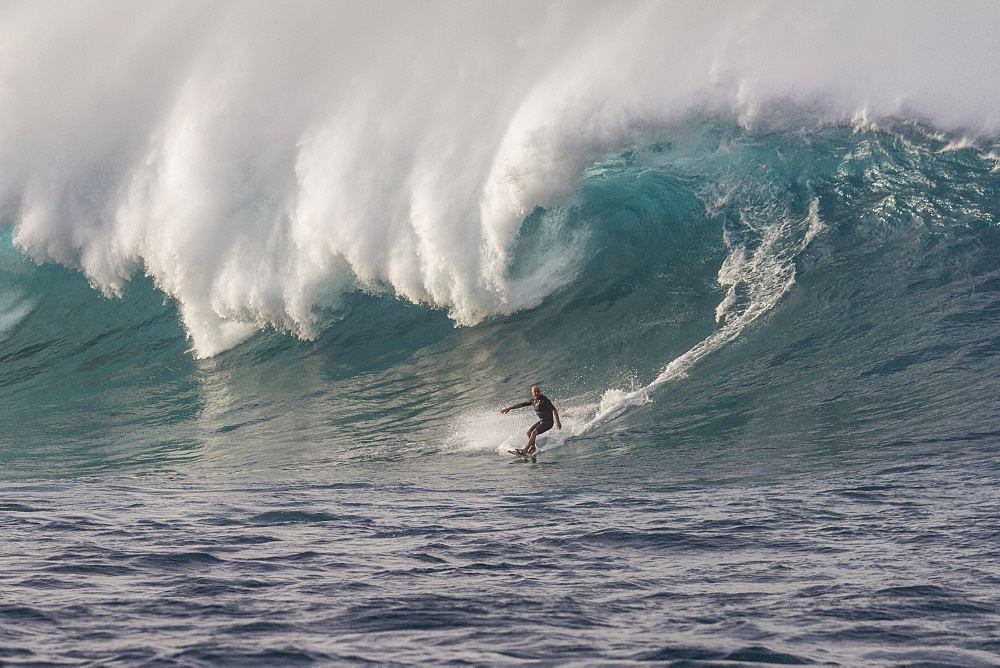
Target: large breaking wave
259, 161
797, 201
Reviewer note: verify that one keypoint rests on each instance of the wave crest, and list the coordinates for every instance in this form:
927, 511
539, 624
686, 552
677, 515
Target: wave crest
259, 161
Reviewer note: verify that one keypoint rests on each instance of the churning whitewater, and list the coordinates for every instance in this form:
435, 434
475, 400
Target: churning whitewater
259, 162
269, 272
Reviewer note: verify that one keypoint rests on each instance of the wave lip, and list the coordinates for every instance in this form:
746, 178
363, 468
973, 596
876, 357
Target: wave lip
277, 160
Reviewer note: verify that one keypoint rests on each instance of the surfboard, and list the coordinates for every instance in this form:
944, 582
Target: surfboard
518, 453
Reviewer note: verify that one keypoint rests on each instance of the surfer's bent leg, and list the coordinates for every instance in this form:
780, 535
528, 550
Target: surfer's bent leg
539, 427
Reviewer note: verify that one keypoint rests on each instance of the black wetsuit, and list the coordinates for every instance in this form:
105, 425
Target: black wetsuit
543, 409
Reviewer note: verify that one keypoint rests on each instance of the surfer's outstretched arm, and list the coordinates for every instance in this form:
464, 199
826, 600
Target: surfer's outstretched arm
520, 405
556, 413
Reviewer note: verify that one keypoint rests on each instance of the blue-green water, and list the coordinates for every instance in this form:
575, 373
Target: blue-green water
819, 486
252, 357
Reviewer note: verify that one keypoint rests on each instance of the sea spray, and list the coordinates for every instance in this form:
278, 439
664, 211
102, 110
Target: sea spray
258, 162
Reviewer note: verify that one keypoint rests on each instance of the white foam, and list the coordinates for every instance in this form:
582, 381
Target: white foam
756, 279
258, 158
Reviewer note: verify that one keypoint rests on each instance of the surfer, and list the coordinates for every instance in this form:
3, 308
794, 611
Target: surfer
544, 410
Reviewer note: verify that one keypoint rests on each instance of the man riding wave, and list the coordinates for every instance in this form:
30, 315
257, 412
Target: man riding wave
545, 411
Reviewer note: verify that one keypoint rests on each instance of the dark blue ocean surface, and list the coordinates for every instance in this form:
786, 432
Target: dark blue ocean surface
467, 559
775, 358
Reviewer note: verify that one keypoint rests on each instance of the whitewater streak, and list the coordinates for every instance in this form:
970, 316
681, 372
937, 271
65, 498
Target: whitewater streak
756, 275
764, 274
259, 160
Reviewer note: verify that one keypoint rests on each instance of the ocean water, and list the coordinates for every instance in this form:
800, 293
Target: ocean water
269, 272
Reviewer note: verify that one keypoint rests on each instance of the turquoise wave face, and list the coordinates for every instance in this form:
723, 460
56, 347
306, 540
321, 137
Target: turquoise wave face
786, 297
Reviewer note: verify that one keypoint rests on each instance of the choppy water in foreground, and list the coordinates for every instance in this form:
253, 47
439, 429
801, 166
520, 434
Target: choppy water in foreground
514, 563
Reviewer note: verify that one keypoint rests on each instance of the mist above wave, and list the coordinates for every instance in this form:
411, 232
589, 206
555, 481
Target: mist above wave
258, 160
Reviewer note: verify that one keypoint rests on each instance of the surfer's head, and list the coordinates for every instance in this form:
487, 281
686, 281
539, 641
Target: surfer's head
536, 391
